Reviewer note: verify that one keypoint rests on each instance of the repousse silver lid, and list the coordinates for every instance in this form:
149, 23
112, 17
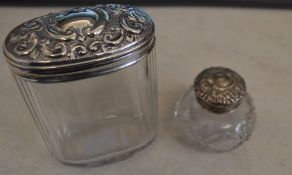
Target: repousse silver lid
79, 42
219, 89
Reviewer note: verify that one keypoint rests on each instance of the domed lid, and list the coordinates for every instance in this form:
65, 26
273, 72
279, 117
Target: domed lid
219, 89
79, 42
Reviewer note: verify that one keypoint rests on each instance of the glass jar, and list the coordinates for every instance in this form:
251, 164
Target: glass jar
215, 114
88, 77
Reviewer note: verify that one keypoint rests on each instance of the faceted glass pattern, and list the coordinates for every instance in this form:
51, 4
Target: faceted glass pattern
211, 131
96, 120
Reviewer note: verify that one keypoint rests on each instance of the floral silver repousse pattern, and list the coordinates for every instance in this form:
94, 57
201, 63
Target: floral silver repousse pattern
78, 33
219, 89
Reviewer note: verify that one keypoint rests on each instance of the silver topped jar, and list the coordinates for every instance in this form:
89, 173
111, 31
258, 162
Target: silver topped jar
88, 77
216, 113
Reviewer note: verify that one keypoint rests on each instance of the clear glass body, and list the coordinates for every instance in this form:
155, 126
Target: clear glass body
96, 120
209, 131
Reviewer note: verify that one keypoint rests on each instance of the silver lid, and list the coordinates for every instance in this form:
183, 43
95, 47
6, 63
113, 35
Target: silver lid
219, 89
79, 42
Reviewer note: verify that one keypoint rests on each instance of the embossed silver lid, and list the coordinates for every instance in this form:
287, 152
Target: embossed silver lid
79, 42
219, 89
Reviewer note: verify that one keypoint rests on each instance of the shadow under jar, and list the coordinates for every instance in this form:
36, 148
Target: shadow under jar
88, 77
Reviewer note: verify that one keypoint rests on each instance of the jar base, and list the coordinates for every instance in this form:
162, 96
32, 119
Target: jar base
107, 159
210, 149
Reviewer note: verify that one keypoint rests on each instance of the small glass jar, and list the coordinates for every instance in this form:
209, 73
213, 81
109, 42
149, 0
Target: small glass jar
88, 76
215, 114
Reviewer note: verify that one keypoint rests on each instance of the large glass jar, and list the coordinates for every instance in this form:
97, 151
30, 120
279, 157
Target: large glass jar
88, 77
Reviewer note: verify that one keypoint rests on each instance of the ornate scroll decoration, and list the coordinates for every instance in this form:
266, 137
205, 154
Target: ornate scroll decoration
26, 45
133, 21
77, 24
79, 32
94, 46
112, 39
34, 25
78, 50
54, 50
